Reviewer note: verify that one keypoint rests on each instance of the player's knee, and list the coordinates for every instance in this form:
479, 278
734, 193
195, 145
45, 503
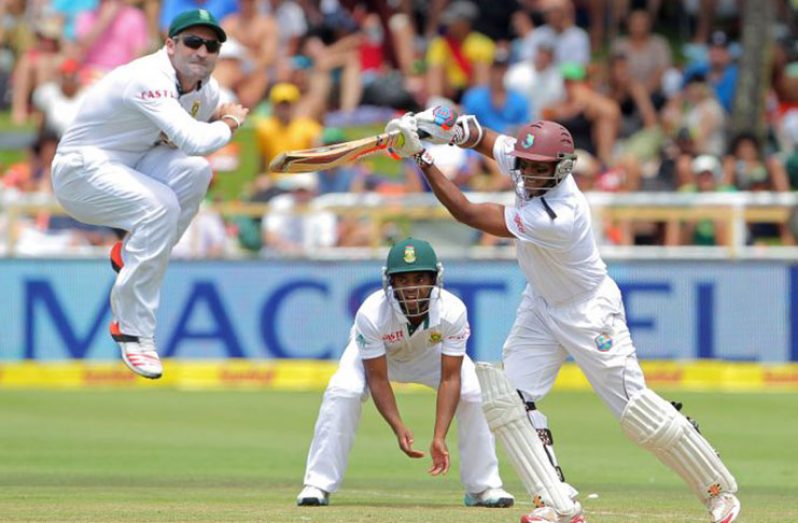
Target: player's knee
200, 169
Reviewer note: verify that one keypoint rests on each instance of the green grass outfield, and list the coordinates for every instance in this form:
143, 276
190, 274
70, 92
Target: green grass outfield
167, 455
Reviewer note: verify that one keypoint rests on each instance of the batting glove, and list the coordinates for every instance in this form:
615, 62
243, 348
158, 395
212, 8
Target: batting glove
407, 126
437, 124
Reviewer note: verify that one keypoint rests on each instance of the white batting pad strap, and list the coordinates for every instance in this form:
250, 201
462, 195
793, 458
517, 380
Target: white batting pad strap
506, 417
656, 425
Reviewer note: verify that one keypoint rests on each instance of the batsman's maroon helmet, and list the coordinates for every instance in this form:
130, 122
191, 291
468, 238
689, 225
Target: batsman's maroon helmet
544, 141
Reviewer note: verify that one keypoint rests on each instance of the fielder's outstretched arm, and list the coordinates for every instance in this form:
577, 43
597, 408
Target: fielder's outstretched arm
487, 217
385, 401
446, 405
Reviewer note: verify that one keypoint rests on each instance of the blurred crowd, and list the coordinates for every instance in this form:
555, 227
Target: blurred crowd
647, 88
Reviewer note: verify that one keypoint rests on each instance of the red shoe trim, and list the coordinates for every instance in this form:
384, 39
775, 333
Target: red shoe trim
116, 257
117, 335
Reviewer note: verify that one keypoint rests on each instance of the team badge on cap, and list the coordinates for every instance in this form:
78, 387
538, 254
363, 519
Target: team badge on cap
529, 141
410, 254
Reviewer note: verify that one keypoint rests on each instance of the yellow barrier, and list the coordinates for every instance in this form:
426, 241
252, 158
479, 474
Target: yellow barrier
313, 375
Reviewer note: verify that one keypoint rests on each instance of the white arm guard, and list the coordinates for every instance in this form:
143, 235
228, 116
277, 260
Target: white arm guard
657, 426
507, 419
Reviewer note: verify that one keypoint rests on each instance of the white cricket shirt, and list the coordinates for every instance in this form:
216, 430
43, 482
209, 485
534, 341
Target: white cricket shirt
381, 329
558, 256
136, 106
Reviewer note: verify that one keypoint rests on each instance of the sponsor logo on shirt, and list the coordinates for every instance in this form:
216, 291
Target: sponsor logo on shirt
393, 337
463, 335
157, 94
603, 342
360, 340
518, 222
195, 107
435, 337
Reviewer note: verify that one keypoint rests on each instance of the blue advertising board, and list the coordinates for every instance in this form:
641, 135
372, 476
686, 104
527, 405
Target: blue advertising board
58, 309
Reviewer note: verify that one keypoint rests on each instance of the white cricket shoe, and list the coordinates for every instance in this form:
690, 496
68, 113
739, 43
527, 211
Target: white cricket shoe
491, 498
725, 508
313, 497
138, 353
549, 515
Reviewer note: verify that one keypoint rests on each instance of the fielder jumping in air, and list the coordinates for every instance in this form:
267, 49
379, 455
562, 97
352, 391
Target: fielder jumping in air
412, 331
570, 307
132, 160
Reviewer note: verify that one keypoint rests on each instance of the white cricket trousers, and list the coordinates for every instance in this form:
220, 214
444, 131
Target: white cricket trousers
591, 329
339, 417
154, 200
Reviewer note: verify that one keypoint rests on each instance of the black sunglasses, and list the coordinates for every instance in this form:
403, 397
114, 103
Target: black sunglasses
195, 42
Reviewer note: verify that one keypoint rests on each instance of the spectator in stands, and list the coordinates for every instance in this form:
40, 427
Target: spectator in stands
707, 177
538, 79
333, 46
748, 169
258, 35
571, 42
718, 69
111, 35
524, 46
283, 130
59, 100
16, 36
697, 110
493, 104
37, 66
592, 118
648, 55
704, 13
291, 26
291, 227
640, 135
461, 57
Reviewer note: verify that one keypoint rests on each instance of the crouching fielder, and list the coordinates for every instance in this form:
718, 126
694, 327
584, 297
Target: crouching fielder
570, 307
412, 331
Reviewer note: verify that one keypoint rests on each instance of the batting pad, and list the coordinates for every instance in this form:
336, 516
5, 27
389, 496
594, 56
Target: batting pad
507, 419
656, 425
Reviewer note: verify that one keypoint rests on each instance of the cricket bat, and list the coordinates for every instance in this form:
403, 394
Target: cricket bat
327, 157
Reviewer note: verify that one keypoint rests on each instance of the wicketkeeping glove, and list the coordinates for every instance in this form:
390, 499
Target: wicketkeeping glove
409, 129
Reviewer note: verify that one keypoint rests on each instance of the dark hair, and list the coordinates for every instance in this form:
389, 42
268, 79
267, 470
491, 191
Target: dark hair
742, 137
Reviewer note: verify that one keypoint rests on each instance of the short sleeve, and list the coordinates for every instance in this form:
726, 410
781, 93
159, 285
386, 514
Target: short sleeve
367, 338
457, 333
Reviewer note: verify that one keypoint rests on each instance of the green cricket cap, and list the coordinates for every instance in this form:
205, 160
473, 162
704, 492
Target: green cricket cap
411, 255
194, 17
